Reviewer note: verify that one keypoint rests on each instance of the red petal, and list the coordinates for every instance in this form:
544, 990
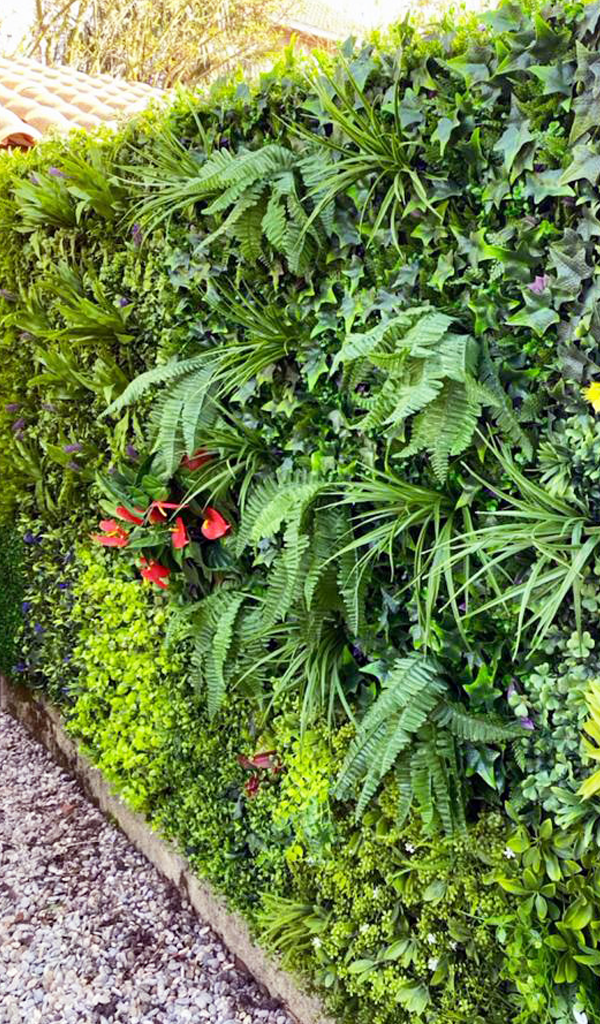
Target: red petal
195, 461
156, 513
110, 525
117, 540
252, 785
180, 536
155, 572
129, 517
214, 526
265, 760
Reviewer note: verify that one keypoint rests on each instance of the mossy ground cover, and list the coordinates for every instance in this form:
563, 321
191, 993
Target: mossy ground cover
299, 388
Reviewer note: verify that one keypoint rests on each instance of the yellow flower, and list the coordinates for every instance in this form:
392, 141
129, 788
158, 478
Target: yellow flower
592, 393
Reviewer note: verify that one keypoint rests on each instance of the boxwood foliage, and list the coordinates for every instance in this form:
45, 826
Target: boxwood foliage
343, 321
11, 595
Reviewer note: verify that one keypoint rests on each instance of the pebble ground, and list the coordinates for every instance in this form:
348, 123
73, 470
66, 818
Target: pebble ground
89, 931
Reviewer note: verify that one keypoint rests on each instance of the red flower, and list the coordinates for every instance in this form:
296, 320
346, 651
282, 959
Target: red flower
195, 461
266, 759
154, 572
156, 511
180, 534
113, 535
129, 517
214, 526
252, 786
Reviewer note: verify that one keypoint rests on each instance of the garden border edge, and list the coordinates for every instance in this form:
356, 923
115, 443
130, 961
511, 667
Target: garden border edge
43, 722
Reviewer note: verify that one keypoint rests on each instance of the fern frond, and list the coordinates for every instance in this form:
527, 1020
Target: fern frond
412, 690
273, 503
221, 643
444, 428
474, 728
285, 578
166, 374
503, 411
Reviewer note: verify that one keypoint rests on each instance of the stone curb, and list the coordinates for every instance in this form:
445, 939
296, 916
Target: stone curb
44, 724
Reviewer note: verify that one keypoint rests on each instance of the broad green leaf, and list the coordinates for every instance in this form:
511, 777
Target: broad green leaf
512, 141
585, 164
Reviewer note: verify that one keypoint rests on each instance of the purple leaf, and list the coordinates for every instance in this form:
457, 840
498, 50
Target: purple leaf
539, 284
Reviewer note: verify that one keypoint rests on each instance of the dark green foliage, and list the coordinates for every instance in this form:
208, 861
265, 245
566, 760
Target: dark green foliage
11, 595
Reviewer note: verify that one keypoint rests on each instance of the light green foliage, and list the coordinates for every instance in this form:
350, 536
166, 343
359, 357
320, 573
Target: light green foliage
591, 785
304, 796
123, 707
552, 935
552, 694
418, 950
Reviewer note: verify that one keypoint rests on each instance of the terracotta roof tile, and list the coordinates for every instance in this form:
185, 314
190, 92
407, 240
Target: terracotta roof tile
35, 99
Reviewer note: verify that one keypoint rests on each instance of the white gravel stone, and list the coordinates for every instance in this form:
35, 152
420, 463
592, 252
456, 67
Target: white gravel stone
89, 931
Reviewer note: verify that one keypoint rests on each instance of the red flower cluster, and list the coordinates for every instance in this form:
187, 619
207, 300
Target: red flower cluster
114, 535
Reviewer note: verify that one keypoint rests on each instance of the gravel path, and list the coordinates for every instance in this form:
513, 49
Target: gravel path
89, 931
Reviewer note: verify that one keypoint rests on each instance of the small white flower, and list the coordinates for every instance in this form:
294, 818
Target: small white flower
433, 963
409, 847
580, 1016
317, 942
431, 937
509, 854
453, 945
364, 928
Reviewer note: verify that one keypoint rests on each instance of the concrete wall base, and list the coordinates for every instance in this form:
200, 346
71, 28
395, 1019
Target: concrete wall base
44, 724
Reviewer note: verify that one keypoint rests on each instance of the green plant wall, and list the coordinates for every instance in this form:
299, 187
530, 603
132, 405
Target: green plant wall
299, 403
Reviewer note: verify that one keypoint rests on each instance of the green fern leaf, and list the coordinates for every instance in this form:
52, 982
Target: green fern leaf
221, 643
475, 728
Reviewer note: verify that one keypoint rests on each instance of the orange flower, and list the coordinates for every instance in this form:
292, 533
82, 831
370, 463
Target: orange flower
113, 535
214, 526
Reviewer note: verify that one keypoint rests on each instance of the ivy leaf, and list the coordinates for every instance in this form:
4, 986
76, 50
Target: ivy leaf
512, 141
538, 319
545, 185
411, 109
571, 269
443, 131
507, 18
588, 19
443, 270
555, 77
585, 164
471, 71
